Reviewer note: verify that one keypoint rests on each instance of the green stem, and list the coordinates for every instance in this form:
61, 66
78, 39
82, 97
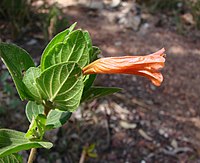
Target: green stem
33, 152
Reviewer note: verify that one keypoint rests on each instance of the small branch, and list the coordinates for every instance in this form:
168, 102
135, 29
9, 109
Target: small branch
83, 156
47, 107
34, 150
32, 155
46, 111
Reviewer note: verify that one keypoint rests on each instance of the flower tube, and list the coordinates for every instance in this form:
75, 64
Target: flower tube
147, 66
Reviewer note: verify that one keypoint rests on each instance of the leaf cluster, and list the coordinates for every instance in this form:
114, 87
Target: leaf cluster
54, 89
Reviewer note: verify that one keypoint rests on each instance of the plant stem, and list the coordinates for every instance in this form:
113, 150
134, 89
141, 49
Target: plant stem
83, 156
47, 107
46, 111
32, 155
33, 152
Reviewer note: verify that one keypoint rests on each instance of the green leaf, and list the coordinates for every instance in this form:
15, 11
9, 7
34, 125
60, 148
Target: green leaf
88, 39
37, 127
12, 141
63, 85
88, 81
73, 49
97, 92
30, 81
55, 118
90, 151
59, 38
95, 52
32, 132
32, 110
17, 61
12, 158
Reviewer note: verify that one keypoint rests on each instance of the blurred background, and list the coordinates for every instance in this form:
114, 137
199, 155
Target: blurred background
142, 123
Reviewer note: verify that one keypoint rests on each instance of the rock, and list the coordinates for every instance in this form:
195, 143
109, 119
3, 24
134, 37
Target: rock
78, 114
95, 4
130, 16
161, 132
144, 135
152, 87
134, 78
119, 109
115, 3
135, 21
31, 42
143, 161
166, 135
188, 18
127, 125
118, 43
174, 143
144, 29
38, 3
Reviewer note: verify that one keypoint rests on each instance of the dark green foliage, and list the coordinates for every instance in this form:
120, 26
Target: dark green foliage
54, 89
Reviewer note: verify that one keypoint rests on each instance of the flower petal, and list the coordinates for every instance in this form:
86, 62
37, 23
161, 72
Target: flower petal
147, 66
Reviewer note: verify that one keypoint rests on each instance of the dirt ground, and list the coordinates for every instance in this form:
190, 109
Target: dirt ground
143, 123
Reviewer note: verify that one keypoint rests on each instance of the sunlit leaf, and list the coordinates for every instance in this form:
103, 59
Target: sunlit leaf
59, 38
88, 38
74, 48
12, 141
91, 151
93, 50
30, 82
63, 85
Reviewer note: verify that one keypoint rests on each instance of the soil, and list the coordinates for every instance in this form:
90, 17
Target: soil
142, 123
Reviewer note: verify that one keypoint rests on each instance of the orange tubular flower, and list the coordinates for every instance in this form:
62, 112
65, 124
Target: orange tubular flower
147, 66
